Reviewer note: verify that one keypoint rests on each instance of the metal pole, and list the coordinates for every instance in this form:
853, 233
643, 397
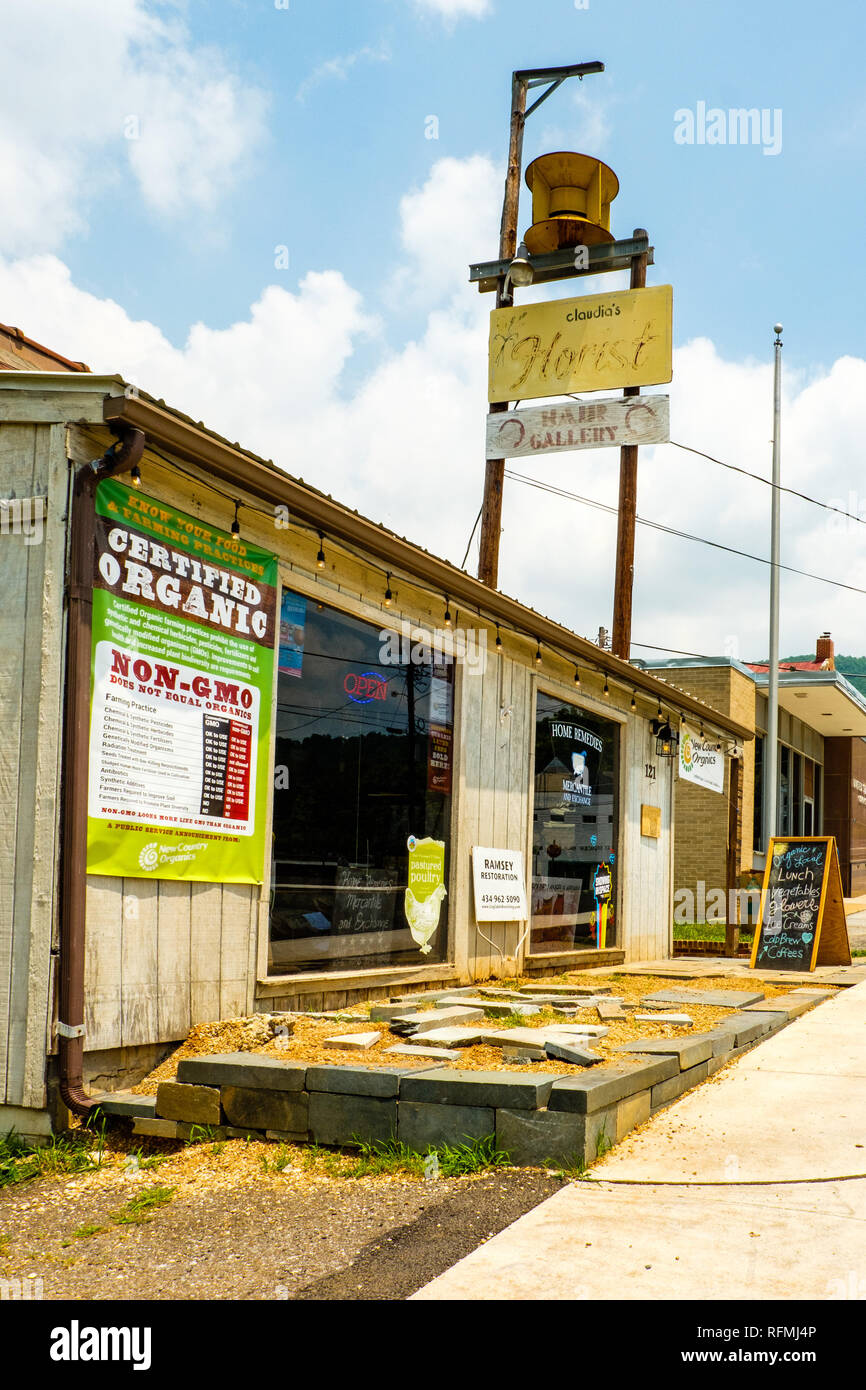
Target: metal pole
494, 478
771, 749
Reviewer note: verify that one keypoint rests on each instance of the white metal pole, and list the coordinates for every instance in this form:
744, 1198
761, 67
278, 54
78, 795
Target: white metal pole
771, 749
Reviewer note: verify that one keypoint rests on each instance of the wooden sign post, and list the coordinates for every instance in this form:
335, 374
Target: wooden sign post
802, 922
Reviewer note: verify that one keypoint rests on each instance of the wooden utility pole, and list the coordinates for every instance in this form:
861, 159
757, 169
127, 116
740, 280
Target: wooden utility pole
494, 476
624, 581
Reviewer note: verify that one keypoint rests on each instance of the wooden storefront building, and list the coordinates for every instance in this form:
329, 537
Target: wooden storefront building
396, 721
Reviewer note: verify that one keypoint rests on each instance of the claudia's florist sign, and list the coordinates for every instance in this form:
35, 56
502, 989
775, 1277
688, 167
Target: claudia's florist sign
184, 622
499, 879
701, 762
598, 342
551, 429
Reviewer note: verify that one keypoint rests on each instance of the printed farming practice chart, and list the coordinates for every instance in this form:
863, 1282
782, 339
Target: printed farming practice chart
160, 754
184, 631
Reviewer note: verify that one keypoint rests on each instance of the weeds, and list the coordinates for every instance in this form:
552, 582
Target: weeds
142, 1207
603, 1144
200, 1134
86, 1231
21, 1161
455, 1160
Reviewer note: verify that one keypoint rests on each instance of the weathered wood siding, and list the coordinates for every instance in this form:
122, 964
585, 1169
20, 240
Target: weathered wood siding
161, 956
32, 464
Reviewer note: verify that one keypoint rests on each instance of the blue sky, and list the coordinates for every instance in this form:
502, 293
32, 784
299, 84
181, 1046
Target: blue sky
155, 154
738, 233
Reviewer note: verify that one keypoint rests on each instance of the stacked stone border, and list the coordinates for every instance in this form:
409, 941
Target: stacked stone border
536, 1118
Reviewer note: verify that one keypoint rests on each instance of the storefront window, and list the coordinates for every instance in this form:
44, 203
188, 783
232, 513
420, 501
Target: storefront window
574, 846
758, 820
362, 796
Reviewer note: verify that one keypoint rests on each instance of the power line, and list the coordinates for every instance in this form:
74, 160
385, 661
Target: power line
804, 496
673, 531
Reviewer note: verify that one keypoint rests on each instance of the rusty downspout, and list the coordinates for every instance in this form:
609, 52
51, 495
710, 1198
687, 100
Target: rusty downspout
75, 764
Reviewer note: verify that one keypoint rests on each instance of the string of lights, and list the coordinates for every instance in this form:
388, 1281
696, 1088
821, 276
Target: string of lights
449, 617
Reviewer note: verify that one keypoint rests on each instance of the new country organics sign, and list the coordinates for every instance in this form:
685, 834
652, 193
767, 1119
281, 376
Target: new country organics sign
184, 620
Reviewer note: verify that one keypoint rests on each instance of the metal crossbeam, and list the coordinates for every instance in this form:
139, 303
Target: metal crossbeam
559, 265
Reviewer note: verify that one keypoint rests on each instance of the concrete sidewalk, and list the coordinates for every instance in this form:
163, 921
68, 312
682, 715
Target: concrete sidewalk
703, 1212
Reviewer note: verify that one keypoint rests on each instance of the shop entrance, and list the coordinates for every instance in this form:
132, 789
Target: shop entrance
574, 845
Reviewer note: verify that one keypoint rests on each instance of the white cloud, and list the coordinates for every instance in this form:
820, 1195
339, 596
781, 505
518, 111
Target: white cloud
406, 445
453, 216
452, 10
77, 79
341, 66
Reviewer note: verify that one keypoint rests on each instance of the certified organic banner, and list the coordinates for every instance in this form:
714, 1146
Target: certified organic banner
426, 888
701, 762
598, 342
184, 623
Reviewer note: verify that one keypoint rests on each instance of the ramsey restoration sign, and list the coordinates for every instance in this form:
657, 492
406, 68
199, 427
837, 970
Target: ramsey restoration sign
184, 621
701, 762
599, 342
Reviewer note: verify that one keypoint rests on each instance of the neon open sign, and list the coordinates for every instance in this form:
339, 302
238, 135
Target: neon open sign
364, 688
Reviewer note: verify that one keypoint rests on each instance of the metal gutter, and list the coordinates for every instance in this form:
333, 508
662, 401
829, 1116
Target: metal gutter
76, 756
269, 483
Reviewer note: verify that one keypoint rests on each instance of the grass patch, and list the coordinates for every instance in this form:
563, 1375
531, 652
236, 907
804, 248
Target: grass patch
142, 1207
21, 1161
707, 931
378, 1158
5, 1252
87, 1230
200, 1134
453, 1160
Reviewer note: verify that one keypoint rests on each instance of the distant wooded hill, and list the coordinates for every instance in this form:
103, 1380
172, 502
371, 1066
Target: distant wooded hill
853, 667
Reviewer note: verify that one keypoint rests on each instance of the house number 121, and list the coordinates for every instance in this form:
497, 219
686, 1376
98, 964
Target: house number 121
650, 771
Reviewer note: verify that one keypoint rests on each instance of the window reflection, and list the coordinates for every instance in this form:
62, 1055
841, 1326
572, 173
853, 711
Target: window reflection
574, 822
363, 762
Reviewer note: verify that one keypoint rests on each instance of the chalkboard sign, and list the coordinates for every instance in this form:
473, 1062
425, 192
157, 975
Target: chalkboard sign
802, 913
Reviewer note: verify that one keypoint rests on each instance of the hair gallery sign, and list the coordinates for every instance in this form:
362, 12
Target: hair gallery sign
701, 761
184, 622
551, 429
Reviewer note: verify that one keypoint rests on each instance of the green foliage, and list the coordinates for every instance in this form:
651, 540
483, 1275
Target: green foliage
454, 1160
200, 1134
853, 668
706, 931
21, 1161
87, 1230
142, 1207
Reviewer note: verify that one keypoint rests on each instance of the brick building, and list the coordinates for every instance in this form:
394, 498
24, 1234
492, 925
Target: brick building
821, 770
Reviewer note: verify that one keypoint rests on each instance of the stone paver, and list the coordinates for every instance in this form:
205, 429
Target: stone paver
572, 1052
415, 1050
682, 1019
353, 1042
715, 998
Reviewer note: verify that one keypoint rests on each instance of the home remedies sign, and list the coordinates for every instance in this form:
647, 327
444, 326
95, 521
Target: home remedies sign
184, 621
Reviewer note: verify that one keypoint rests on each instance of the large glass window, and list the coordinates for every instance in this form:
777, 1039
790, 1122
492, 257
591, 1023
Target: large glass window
362, 795
758, 820
574, 820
